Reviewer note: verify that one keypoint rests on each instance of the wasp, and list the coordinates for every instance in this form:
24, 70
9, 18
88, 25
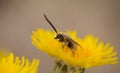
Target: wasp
62, 37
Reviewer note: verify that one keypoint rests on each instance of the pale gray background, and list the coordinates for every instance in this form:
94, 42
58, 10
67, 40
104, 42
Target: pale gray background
18, 18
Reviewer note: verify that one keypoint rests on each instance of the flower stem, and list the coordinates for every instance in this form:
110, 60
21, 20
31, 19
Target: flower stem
61, 67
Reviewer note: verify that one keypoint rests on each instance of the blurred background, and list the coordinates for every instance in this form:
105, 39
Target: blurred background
18, 18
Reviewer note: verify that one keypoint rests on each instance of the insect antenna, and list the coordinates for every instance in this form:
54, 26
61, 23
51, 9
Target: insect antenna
50, 24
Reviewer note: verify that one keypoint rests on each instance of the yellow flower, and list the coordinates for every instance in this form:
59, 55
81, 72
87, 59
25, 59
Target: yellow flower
91, 53
11, 64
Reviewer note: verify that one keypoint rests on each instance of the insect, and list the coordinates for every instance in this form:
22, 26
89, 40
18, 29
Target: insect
62, 37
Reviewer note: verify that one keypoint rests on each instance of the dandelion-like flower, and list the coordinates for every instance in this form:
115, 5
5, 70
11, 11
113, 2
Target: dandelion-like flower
91, 54
11, 64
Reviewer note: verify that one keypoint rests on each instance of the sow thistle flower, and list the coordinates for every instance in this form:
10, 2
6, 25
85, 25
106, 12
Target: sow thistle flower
91, 54
11, 64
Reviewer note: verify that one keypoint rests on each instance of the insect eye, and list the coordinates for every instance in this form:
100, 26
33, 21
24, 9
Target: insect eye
59, 37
